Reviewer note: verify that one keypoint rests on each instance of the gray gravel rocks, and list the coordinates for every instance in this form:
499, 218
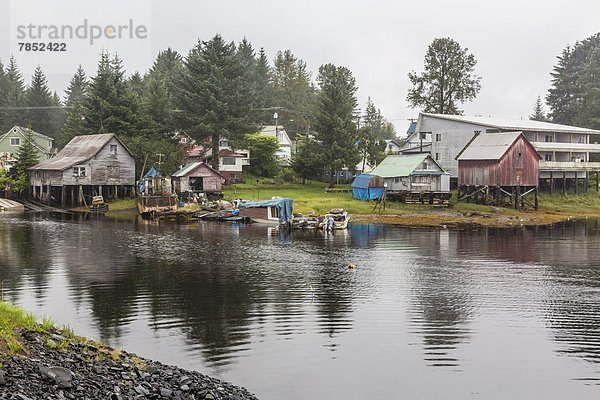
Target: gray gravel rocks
86, 371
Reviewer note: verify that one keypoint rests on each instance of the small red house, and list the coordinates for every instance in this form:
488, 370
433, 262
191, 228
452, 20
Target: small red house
499, 159
502, 163
197, 177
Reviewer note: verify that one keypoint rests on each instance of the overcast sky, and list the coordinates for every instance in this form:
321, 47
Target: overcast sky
514, 42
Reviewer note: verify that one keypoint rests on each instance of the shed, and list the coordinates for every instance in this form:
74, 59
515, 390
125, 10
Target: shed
368, 187
274, 211
88, 165
197, 177
413, 173
499, 159
499, 168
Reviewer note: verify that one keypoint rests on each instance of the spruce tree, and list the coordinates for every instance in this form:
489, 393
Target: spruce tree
39, 101
27, 156
293, 91
264, 88
213, 94
159, 93
109, 107
335, 118
571, 98
16, 114
77, 87
74, 120
371, 141
3, 96
538, 111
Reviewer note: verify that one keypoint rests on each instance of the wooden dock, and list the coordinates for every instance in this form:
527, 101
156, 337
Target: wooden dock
338, 190
10, 205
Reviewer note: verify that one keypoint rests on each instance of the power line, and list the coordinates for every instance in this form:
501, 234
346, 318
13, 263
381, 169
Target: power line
35, 108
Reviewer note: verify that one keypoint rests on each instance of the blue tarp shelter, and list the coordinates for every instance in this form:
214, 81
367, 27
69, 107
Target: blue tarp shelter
284, 206
152, 172
367, 187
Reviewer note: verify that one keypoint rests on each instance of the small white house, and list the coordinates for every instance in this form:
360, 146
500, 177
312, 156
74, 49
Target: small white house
285, 143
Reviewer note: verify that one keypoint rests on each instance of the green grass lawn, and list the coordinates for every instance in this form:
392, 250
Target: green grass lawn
313, 197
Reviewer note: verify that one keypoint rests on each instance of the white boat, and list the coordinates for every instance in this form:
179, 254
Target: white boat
337, 218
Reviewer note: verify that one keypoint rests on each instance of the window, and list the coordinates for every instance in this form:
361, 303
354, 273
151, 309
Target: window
438, 156
438, 137
549, 138
223, 143
113, 149
79, 171
15, 141
49, 144
228, 161
547, 157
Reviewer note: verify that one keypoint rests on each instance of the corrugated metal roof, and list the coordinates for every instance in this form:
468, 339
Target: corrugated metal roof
77, 151
488, 146
399, 165
514, 125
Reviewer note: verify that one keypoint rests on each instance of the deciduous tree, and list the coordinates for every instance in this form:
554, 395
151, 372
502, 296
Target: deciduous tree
263, 154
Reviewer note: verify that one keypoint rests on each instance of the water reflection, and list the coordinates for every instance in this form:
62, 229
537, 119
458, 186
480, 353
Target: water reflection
227, 291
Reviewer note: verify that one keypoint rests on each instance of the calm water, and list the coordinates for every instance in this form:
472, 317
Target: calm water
426, 314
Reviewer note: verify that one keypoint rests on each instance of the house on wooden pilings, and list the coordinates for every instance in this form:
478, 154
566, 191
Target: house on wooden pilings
89, 165
500, 169
414, 178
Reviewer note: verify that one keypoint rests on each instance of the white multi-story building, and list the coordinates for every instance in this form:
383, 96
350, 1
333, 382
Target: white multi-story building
565, 150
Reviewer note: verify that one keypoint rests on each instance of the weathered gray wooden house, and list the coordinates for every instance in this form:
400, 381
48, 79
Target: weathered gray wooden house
87, 166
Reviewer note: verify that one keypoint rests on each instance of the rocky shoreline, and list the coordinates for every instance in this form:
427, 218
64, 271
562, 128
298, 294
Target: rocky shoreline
52, 366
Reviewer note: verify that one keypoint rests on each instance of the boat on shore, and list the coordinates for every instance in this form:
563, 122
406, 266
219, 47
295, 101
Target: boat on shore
337, 218
98, 205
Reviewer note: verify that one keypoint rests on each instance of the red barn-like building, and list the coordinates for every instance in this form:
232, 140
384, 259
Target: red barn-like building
493, 166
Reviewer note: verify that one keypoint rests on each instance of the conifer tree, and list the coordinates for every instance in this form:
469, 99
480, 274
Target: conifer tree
213, 94
264, 88
16, 114
371, 141
538, 111
109, 107
74, 122
293, 91
335, 118
39, 101
27, 156
3, 96
159, 93
77, 87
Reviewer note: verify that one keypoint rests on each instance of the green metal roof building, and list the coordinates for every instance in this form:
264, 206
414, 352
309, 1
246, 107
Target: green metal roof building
414, 173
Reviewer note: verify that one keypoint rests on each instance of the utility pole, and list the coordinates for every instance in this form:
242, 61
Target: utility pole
159, 163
